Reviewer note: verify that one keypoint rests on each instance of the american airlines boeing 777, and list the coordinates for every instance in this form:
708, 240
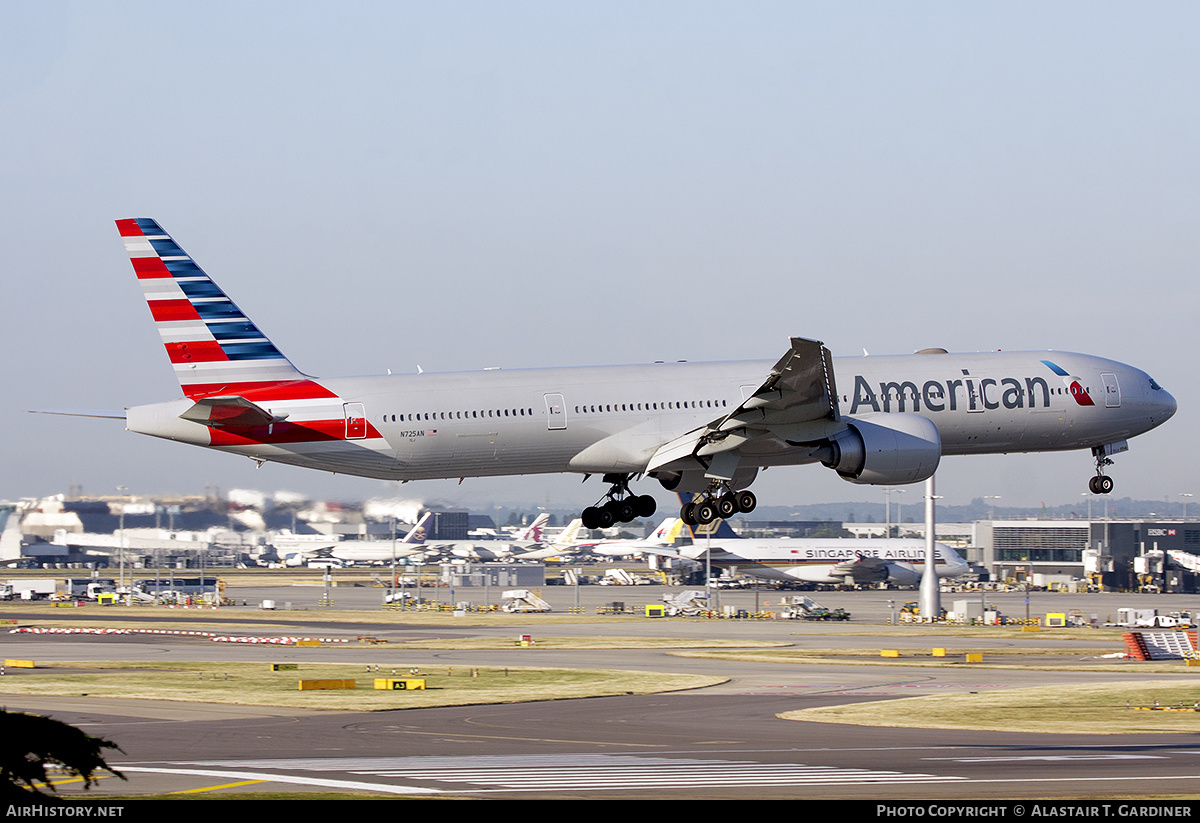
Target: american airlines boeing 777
706, 428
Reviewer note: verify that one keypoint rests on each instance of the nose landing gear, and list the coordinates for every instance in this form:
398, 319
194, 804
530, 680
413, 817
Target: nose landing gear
1101, 483
621, 506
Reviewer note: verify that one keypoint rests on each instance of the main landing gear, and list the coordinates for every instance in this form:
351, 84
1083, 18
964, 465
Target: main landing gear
1101, 483
622, 506
714, 504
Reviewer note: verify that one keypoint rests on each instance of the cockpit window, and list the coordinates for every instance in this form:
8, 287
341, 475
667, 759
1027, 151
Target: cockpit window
1154, 384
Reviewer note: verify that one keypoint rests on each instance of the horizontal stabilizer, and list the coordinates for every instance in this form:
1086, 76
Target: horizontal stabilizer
238, 412
105, 413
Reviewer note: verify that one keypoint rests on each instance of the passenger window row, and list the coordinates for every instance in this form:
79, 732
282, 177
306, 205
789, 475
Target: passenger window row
459, 415
668, 406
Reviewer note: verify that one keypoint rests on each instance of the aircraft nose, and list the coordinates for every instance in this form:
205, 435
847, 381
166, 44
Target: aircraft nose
1161, 403
1167, 401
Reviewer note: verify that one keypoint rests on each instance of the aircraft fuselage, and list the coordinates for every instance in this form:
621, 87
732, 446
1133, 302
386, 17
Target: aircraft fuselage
613, 418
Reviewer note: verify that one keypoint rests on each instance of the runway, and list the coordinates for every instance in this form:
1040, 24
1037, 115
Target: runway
652, 747
722, 742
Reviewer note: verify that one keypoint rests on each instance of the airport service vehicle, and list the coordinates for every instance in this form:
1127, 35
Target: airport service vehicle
31, 589
801, 607
90, 588
706, 428
523, 600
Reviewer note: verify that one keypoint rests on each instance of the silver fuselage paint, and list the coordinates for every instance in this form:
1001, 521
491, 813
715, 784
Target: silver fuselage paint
613, 418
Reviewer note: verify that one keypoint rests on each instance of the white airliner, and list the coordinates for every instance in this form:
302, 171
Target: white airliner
701, 427
565, 544
895, 560
382, 551
843, 561
528, 538
661, 541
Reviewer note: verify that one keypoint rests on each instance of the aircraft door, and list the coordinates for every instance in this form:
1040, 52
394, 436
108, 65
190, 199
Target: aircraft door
356, 420
1112, 391
974, 397
556, 412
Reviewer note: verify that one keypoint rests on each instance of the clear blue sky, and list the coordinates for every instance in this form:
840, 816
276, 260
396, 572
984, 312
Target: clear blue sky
470, 184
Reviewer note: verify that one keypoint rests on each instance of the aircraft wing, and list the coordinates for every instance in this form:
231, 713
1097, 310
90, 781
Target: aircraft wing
861, 569
794, 403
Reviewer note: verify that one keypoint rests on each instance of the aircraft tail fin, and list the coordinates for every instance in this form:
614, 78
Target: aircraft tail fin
213, 346
667, 532
570, 534
416, 535
533, 532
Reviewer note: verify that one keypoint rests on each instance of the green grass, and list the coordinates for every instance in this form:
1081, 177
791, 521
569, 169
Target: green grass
254, 684
1103, 708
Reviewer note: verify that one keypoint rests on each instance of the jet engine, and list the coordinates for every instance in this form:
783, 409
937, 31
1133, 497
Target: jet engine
884, 450
902, 575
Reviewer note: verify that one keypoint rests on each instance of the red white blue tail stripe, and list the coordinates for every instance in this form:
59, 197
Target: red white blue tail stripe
213, 346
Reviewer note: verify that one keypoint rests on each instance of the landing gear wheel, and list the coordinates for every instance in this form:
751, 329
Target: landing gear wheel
705, 512
623, 511
1101, 483
746, 501
620, 506
726, 506
688, 514
591, 518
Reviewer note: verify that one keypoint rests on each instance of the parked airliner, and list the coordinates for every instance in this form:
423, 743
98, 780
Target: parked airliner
706, 428
834, 560
898, 561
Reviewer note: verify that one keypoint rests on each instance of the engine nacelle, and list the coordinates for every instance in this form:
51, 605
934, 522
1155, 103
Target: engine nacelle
884, 450
694, 481
899, 575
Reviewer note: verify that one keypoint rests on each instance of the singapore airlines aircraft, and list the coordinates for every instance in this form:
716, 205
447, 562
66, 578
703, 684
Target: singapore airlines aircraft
895, 560
700, 427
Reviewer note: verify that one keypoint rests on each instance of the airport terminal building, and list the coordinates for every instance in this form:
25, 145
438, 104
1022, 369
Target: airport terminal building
1114, 555
1110, 554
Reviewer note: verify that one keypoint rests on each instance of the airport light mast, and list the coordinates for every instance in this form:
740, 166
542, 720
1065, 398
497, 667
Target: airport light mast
931, 590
